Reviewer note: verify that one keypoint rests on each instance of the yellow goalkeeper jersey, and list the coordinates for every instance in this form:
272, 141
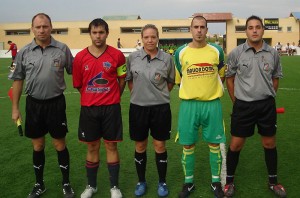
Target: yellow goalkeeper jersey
199, 72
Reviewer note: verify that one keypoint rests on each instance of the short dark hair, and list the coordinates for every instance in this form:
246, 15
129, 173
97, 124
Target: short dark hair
149, 26
8, 42
98, 22
199, 17
254, 17
41, 14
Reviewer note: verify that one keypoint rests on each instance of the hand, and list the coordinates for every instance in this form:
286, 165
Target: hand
16, 115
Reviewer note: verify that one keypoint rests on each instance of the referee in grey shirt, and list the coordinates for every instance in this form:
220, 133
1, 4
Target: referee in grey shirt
252, 79
150, 76
41, 64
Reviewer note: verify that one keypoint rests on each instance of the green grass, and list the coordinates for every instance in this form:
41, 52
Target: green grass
17, 176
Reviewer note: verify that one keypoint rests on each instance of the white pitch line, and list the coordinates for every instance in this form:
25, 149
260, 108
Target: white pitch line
224, 167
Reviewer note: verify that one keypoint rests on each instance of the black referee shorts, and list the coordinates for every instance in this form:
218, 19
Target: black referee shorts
245, 115
43, 116
155, 118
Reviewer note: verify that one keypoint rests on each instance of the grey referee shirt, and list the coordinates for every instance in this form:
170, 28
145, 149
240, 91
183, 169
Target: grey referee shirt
253, 71
150, 77
43, 69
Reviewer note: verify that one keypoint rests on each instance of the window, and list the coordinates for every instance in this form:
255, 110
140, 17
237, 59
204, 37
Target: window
184, 29
279, 29
17, 32
289, 29
84, 31
240, 28
131, 29
63, 31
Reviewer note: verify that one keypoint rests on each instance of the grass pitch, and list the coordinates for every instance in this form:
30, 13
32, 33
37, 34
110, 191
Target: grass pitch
17, 175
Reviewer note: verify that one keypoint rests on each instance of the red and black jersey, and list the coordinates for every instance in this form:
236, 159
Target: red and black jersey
98, 77
14, 49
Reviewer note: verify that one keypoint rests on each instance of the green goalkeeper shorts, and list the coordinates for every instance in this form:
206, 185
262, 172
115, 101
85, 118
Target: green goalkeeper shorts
194, 114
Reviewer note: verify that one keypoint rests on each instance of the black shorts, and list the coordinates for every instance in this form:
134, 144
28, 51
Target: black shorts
98, 122
43, 116
245, 115
157, 118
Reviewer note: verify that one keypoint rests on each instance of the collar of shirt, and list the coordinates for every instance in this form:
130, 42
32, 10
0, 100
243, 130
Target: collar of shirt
143, 54
33, 44
265, 47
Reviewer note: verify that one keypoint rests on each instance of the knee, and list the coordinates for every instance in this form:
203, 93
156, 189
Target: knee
159, 147
140, 147
236, 147
111, 146
38, 147
269, 142
59, 145
189, 146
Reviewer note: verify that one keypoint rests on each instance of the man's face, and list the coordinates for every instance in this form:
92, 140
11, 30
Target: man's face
98, 36
254, 31
41, 29
199, 30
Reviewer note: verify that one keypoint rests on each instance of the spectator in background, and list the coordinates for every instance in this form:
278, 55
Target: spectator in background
13, 48
293, 49
288, 49
119, 43
139, 45
278, 47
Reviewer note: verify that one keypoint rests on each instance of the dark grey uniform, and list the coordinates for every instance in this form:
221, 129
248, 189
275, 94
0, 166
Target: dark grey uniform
253, 89
43, 71
150, 97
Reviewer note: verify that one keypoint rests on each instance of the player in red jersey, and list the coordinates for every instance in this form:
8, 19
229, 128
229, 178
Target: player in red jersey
13, 48
98, 73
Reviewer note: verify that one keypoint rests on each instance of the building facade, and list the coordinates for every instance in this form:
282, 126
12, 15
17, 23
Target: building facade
171, 32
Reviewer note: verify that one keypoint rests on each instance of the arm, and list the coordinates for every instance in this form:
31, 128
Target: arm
10, 48
130, 84
222, 79
230, 87
17, 91
69, 61
275, 83
122, 84
170, 86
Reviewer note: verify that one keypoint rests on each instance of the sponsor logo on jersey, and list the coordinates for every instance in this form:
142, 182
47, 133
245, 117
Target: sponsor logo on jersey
98, 84
200, 69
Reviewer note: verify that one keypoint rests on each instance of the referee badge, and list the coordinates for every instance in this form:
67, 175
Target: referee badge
266, 66
56, 62
157, 76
